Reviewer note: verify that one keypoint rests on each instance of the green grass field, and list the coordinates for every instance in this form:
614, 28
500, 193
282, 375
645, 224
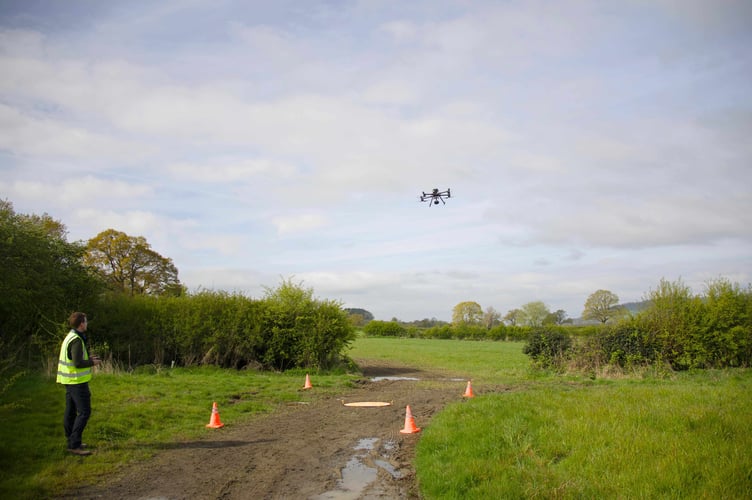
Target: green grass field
552, 436
537, 435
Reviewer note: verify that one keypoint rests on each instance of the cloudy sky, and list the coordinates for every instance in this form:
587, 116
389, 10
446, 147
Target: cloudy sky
588, 144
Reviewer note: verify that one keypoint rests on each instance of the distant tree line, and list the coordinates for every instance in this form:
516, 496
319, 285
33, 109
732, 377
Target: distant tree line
377, 328
672, 328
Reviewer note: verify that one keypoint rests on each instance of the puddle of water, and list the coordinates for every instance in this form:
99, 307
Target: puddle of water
379, 379
389, 468
356, 475
366, 444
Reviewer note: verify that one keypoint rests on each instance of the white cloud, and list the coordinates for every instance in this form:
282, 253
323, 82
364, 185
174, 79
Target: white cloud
29, 135
586, 145
231, 170
77, 190
292, 224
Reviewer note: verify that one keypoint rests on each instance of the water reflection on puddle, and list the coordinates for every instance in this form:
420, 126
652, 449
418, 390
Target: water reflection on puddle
366, 444
357, 475
379, 379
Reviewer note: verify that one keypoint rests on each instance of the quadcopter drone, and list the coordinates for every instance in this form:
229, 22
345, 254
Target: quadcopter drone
434, 196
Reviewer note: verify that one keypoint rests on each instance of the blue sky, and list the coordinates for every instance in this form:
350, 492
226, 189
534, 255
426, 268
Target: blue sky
588, 145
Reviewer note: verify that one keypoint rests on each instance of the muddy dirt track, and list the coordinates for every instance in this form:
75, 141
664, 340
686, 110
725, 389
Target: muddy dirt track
321, 450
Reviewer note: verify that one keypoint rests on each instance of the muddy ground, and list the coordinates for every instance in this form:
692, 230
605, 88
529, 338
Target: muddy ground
321, 450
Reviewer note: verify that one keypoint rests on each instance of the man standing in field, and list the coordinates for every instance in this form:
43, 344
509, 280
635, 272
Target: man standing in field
74, 372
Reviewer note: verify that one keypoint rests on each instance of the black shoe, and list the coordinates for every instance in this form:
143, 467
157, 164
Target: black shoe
79, 451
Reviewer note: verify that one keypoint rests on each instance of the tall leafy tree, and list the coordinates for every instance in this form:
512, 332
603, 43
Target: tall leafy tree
601, 306
535, 313
557, 317
128, 264
467, 313
514, 317
491, 317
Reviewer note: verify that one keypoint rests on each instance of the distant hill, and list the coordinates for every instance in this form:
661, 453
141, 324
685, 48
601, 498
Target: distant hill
635, 307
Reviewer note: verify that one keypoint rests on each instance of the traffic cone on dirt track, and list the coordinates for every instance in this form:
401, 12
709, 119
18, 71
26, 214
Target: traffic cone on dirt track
468, 391
409, 423
307, 384
214, 422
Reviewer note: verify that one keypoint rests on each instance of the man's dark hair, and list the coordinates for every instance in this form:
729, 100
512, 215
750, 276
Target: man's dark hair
76, 319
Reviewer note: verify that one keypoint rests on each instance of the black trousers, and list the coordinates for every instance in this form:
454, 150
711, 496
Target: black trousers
77, 412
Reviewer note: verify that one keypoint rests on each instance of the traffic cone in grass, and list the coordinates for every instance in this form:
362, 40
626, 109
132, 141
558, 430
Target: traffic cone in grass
307, 384
410, 427
214, 422
468, 391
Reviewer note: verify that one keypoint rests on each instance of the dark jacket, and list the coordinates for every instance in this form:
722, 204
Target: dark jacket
76, 352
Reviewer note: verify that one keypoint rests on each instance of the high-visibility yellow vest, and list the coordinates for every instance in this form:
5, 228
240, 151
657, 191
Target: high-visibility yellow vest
67, 373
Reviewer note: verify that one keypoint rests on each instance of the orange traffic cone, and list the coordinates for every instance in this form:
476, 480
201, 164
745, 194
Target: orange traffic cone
409, 423
468, 391
307, 384
214, 422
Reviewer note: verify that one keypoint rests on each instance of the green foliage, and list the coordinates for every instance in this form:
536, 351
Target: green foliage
377, 328
358, 317
621, 345
679, 329
467, 313
298, 330
548, 346
727, 325
288, 328
558, 317
129, 265
534, 313
42, 279
690, 331
517, 332
459, 331
438, 332
514, 317
601, 306
465, 331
